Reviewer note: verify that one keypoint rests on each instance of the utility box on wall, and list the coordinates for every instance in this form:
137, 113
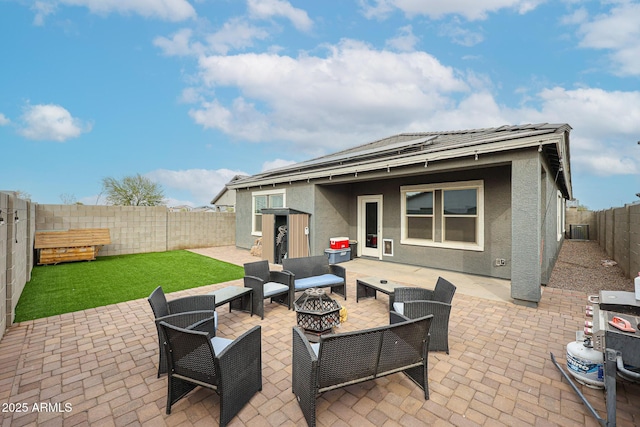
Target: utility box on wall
285, 234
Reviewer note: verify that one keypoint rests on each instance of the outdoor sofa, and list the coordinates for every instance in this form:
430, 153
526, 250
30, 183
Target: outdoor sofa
340, 360
316, 272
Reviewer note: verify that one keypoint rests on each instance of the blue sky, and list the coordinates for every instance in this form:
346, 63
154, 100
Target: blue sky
191, 93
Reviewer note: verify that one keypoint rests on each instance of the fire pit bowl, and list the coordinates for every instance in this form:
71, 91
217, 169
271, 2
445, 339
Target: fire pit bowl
316, 312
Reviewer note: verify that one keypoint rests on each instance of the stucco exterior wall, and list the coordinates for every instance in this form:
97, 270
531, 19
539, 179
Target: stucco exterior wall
526, 194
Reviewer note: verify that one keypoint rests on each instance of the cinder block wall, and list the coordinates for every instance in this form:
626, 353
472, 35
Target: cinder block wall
16, 253
619, 236
198, 230
135, 229
4, 298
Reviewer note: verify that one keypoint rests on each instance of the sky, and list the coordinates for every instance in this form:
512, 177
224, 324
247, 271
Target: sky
192, 93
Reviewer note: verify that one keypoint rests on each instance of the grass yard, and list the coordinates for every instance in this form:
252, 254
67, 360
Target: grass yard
68, 287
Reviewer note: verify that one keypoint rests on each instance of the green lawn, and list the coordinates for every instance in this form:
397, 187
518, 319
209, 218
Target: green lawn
75, 286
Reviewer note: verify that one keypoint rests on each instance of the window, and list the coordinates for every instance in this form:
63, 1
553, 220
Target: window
262, 200
443, 215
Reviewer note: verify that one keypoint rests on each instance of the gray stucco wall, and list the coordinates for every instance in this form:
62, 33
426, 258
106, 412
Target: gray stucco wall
526, 193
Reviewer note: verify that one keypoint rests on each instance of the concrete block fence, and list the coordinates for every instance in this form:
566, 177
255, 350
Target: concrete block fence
132, 229
619, 236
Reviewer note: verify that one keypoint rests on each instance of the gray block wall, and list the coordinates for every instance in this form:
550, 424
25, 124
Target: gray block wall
136, 229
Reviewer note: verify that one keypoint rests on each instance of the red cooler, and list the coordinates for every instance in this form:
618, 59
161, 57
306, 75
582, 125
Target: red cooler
338, 242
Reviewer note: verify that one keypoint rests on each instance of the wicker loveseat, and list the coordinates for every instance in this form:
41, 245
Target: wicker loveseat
316, 272
339, 360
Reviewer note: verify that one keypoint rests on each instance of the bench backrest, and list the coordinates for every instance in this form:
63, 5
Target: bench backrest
371, 353
307, 266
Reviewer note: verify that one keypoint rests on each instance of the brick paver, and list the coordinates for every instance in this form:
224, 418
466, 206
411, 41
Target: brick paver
98, 367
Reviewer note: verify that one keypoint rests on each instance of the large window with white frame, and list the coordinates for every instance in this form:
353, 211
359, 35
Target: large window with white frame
262, 200
447, 214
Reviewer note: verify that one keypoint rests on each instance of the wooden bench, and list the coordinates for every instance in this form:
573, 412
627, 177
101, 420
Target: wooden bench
70, 245
341, 360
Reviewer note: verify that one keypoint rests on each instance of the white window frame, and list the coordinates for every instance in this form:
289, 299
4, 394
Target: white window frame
438, 214
254, 215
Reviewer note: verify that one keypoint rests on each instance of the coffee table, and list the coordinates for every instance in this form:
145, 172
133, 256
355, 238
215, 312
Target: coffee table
368, 286
239, 298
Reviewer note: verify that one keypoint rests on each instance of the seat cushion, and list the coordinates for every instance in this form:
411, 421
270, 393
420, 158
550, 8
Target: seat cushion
273, 288
398, 307
318, 281
220, 344
315, 346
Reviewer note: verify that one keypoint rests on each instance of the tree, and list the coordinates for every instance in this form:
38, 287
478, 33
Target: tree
132, 191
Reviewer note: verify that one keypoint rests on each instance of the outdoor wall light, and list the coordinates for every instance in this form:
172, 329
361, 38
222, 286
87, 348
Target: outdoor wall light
540, 148
16, 219
476, 155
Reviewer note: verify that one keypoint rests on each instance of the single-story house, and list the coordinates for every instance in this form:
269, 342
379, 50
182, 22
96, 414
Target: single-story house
225, 200
484, 201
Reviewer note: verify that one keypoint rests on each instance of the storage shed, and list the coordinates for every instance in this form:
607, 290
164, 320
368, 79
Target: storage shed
285, 234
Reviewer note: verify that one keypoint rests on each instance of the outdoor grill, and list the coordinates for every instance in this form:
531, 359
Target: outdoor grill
316, 312
621, 348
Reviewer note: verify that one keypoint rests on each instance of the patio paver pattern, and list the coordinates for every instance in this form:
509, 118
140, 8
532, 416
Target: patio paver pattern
98, 367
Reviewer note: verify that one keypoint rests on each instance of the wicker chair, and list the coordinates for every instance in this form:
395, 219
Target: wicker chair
202, 306
276, 285
232, 368
418, 302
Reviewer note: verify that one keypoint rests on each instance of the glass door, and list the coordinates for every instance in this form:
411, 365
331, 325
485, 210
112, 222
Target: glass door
370, 226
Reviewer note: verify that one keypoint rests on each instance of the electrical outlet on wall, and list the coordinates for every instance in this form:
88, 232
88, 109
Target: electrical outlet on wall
501, 262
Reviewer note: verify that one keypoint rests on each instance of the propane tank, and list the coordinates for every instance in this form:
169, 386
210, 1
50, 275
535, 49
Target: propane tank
585, 364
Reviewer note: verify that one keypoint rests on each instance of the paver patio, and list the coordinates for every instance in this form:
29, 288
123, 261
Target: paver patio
98, 367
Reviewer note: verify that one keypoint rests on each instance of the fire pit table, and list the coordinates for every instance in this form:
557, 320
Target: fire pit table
317, 313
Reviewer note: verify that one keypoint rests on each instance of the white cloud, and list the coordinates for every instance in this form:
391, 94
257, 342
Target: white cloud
167, 10
235, 34
405, 41
4, 120
179, 44
201, 184
324, 100
459, 34
606, 126
275, 164
436, 9
265, 9
51, 122
42, 9
617, 31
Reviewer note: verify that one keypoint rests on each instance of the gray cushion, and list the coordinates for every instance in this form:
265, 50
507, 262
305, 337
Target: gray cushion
315, 346
318, 281
273, 288
398, 307
220, 344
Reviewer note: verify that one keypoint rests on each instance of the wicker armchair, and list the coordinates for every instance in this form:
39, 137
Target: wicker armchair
276, 285
232, 368
202, 306
418, 302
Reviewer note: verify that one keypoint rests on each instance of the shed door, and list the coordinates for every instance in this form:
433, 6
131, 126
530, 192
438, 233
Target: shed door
370, 226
